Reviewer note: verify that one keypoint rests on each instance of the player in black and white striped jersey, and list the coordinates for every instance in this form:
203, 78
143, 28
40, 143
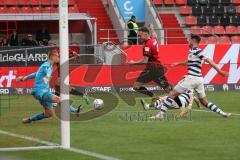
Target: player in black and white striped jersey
194, 80
186, 101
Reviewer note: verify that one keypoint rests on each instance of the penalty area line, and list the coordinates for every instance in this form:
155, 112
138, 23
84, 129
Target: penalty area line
50, 145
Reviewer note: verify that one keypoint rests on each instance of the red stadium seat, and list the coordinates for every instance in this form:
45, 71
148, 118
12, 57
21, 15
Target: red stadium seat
224, 40
73, 9
37, 10
11, 2
26, 10
190, 20
22, 2
212, 40
55, 2
34, 2
237, 2
169, 2
238, 29
157, 2
181, 2
238, 9
219, 30
185, 10
46, 2
13, 10
203, 40
195, 30
207, 30
48, 10
231, 30
3, 10
2, 2
235, 39
71, 2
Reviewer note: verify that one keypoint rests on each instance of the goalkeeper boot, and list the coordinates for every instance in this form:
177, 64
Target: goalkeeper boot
79, 110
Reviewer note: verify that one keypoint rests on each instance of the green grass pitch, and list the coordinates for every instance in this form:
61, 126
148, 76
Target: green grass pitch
204, 135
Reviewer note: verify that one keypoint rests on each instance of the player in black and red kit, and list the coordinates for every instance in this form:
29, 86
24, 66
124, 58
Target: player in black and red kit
72, 55
154, 70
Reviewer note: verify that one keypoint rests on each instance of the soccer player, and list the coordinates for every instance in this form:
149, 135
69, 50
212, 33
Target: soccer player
72, 55
154, 71
41, 90
193, 80
186, 100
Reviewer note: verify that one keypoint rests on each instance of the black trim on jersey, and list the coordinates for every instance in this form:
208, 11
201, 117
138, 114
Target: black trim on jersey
186, 95
190, 69
194, 75
185, 99
196, 53
195, 65
199, 62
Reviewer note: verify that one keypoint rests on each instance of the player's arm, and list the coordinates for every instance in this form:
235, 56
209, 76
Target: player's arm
213, 64
184, 63
24, 78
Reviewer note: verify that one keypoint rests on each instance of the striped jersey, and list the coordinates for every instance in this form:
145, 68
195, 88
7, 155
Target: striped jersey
195, 59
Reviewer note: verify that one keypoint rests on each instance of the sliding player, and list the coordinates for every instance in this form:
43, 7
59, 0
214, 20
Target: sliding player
186, 100
193, 80
154, 70
41, 90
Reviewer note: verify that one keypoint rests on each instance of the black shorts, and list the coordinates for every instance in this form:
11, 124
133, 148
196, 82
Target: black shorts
156, 75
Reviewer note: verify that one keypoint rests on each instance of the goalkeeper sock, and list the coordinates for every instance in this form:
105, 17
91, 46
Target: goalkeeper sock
72, 109
37, 117
215, 108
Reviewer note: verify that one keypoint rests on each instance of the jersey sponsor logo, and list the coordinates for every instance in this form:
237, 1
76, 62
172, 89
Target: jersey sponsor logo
147, 49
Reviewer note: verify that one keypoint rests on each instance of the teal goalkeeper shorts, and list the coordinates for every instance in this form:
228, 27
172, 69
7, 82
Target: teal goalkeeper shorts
43, 96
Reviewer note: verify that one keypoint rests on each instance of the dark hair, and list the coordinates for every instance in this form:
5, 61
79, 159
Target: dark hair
196, 37
144, 29
133, 17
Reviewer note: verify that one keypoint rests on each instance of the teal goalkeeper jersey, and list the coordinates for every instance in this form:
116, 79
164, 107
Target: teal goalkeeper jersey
45, 70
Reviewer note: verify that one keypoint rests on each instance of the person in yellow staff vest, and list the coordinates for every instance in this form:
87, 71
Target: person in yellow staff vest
133, 29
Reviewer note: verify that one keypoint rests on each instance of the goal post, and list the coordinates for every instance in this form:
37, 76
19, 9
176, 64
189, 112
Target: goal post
64, 73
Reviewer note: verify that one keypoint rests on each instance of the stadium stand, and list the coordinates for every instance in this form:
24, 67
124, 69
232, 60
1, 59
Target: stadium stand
220, 17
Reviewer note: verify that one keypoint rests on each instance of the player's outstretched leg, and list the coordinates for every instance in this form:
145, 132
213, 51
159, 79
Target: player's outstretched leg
213, 107
48, 112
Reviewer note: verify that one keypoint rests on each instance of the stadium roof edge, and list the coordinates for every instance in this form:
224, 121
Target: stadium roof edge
43, 17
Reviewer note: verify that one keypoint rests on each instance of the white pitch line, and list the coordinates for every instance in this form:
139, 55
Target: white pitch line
28, 148
198, 110
51, 145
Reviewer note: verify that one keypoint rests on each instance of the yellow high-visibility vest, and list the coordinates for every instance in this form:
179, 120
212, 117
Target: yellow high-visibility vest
135, 26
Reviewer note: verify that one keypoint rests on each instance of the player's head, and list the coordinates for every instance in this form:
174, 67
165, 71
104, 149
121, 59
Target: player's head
194, 40
144, 33
133, 18
54, 56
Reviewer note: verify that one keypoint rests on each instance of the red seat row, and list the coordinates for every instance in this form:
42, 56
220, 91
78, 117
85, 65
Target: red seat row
169, 2
218, 30
33, 2
220, 40
181, 2
31, 10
